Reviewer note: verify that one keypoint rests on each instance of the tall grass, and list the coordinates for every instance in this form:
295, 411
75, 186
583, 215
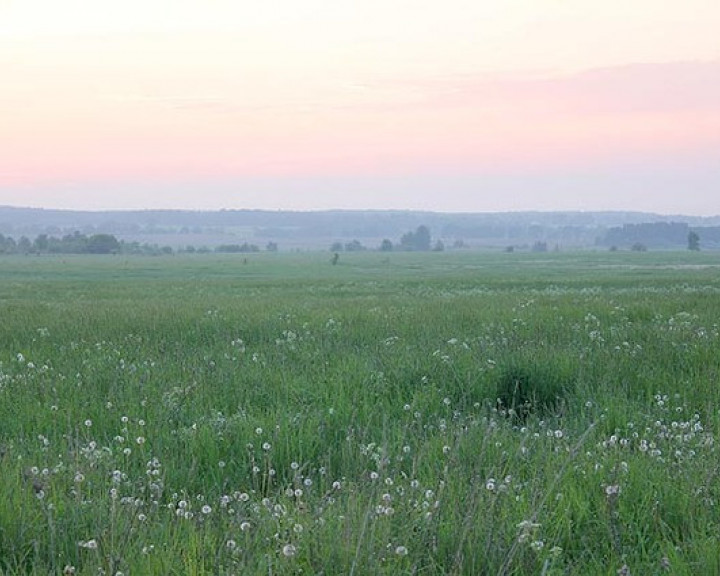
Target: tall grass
417, 414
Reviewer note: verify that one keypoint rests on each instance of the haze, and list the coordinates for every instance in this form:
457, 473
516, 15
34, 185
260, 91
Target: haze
448, 106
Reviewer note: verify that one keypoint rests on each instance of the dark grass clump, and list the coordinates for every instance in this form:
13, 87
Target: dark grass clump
529, 386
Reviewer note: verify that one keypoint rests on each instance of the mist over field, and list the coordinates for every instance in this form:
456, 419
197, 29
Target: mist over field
367, 230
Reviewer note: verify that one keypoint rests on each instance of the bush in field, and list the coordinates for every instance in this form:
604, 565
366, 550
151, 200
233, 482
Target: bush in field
526, 386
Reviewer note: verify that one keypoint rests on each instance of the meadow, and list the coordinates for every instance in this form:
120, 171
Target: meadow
431, 414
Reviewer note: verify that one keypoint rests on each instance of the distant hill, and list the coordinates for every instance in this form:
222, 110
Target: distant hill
318, 230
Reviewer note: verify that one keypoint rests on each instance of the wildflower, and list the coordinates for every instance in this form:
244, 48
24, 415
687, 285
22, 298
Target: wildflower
289, 550
612, 489
90, 544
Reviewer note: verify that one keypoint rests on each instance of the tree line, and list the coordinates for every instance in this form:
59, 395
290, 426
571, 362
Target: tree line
419, 240
77, 243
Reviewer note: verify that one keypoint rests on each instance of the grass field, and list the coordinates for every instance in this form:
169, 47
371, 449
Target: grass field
430, 414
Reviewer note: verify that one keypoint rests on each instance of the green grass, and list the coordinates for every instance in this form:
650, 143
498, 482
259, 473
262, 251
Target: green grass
345, 419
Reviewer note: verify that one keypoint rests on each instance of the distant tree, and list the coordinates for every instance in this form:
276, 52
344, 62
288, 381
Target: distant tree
335, 258
458, 244
613, 248
693, 241
41, 243
24, 246
271, 247
336, 247
386, 246
75, 243
237, 248
509, 249
354, 246
439, 246
422, 238
419, 241
103, 244
228, 248
540, 247
638, 247
7, 244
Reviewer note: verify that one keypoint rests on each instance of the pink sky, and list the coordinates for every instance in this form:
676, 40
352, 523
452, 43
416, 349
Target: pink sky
454, 106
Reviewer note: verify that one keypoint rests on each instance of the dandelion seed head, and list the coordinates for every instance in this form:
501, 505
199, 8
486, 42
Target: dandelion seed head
289, 550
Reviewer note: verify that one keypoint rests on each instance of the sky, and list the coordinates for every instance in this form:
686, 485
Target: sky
452, 106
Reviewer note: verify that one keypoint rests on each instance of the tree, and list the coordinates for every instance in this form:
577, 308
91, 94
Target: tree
41, 243
422, 238
24, 245
271, 247
386, 246
354, 246
103, 244
416, 241
693, 241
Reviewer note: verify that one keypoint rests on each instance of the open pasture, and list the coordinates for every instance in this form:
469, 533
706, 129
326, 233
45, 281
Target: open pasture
430, 414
